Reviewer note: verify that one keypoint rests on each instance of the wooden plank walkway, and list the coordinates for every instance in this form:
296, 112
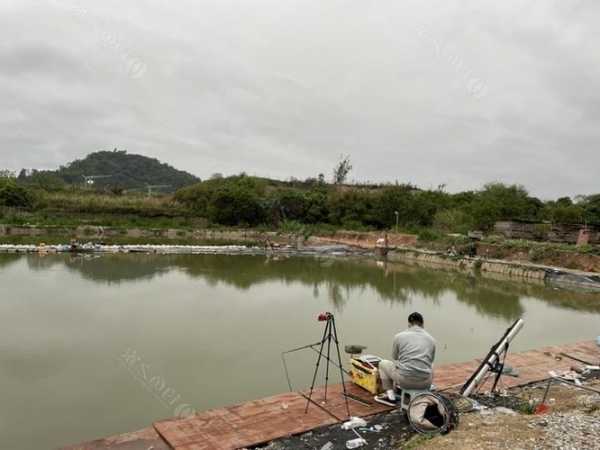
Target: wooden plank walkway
282, 415
263, 420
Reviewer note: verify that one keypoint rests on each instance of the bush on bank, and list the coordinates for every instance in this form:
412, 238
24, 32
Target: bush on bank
258, 202
243, 200
15, 196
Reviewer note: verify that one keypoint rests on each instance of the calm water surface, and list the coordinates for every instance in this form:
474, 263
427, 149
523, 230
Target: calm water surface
95, 346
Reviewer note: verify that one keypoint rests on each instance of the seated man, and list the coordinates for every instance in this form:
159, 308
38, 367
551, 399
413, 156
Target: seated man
413, 353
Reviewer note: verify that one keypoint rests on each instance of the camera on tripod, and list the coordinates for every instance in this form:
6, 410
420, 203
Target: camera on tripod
329, 343
325, 316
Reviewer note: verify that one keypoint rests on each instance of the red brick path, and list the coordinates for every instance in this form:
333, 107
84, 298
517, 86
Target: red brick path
263, 420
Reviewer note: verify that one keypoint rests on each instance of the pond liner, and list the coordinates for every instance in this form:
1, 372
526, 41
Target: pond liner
581, 281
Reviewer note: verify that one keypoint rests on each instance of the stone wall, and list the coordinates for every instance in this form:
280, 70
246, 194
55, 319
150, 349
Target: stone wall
493, 268
559, 233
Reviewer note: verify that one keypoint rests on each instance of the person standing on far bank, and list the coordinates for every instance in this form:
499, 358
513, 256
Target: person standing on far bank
413, 352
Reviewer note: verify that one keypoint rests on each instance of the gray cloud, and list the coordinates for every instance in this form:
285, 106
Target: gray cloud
448, 92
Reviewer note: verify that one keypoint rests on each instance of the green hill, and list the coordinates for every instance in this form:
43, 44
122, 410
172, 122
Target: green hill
114, 169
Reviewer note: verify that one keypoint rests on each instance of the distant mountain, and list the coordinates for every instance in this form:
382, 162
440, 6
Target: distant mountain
117, 169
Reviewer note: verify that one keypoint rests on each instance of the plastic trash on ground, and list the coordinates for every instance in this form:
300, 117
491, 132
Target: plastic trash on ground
507, 411
355, 443
354, 422
568, 375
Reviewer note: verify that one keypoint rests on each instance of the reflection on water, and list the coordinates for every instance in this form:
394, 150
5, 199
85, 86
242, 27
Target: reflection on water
338, 278
211, 329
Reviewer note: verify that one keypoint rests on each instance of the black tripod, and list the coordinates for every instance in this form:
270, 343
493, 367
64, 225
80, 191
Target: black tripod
329, 336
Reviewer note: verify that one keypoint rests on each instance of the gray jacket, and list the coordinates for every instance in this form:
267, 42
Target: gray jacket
414, 351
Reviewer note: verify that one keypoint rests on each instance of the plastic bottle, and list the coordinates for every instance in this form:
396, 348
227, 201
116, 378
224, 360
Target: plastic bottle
355, 443
354, 422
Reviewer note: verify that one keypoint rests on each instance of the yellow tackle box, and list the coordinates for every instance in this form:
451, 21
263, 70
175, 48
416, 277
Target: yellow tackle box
364, 372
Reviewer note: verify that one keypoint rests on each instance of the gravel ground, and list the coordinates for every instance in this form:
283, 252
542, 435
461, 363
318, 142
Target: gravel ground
569, 431
572, 424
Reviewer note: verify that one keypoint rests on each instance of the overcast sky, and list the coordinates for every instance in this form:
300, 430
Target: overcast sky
454, 92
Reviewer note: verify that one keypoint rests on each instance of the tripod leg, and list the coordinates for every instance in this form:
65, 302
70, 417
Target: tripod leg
337, 346
329, 336
312, 386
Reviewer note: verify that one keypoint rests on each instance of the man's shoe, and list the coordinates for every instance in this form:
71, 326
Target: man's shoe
385, 400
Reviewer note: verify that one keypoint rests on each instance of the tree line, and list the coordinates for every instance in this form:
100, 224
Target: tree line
243, 200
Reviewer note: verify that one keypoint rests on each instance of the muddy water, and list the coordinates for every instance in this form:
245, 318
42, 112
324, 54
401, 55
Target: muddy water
94, 346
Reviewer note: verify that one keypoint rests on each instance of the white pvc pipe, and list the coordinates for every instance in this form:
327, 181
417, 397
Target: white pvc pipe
498, 350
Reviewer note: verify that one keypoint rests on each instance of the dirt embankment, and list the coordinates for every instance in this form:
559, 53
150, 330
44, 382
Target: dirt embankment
365, 239
573, 422
548, 257
539, 255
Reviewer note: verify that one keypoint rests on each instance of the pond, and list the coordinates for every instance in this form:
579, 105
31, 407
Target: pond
98, 345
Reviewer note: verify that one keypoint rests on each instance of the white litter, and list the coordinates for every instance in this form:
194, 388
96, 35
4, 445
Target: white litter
355, 443
354, 422
507, 411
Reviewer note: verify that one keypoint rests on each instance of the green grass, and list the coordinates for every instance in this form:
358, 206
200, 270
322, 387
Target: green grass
80, 207
92, 202
306, 230
65, 218
72, 208
415, 442
56, 240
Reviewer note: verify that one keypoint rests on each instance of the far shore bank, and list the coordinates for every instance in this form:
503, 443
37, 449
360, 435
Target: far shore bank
585, 258
345, 244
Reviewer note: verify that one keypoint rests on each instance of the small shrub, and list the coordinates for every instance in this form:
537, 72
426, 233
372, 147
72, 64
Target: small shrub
538, 253
453, 221
15, 196
89, 231
527, 407
355, 225
541, 230
428, 235
233, 205
291, 226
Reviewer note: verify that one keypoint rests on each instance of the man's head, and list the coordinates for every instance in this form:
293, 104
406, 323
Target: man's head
415, 319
